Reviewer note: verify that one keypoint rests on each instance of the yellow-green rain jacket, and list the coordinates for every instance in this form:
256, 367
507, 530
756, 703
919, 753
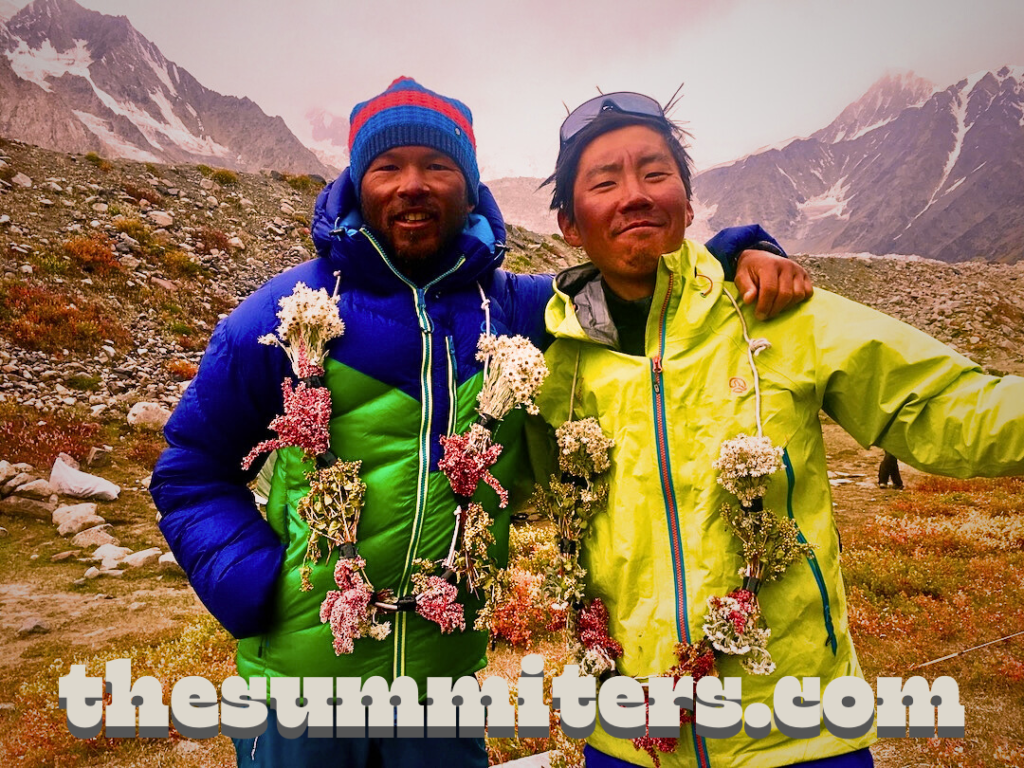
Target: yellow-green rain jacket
662, 549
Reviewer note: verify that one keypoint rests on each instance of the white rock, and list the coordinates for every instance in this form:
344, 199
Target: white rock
100, 207
206, 184
143, 558
92, 572
246, 203
37, 489
110, 556
161, 218
129, 262
73, 510
236, 242
286, 209
148, 416
22, 180
6, 471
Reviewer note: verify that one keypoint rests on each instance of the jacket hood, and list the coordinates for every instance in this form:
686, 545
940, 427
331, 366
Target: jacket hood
339, 235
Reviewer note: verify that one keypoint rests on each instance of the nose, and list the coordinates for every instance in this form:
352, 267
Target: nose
634, 193
412, 182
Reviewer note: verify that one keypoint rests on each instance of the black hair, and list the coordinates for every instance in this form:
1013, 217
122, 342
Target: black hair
567, 164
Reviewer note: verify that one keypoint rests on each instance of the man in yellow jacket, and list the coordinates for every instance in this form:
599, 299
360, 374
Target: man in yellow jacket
653, 343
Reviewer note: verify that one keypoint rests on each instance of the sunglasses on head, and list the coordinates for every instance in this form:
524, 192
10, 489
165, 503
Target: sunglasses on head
626, 102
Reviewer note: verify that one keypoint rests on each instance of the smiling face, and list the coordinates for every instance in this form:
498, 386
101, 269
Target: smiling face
414, 199
629, 208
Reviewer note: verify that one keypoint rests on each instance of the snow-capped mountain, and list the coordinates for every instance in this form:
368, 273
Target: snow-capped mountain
908, 168
327, 136
77, 80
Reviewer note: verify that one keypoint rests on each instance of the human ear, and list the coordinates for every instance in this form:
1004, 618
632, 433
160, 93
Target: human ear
570, 231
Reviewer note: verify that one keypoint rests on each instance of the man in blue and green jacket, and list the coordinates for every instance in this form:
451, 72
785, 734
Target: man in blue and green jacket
418, 243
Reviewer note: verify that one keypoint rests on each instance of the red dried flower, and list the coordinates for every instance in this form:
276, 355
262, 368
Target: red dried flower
465, 466
304, 423
593, 630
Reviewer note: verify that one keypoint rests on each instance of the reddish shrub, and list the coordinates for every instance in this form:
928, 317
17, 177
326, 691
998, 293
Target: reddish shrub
24, 436
93, 254
182, 369
208, 238
36, 318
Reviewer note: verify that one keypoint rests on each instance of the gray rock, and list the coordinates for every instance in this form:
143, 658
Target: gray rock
17, 506
95, 537
161, 218
22, 180
100, 207
6, 471
60, 557
4, 533
71, 461
34, 625
78, 524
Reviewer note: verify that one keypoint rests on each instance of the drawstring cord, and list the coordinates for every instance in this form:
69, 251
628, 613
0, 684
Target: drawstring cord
754, 348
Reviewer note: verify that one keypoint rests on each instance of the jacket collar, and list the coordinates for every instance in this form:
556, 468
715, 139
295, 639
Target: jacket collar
689, 283
340, 237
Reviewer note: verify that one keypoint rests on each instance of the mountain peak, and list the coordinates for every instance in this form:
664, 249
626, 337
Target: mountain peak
99, 84
883, 101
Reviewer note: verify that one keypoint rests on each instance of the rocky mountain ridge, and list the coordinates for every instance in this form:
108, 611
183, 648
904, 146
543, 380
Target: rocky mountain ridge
908, 169
178, 248
75, 80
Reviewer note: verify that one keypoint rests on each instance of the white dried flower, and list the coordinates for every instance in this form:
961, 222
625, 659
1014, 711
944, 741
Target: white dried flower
744, 464
309, 320
515, 370
583, 448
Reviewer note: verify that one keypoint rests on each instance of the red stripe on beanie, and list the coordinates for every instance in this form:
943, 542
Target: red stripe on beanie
410, 98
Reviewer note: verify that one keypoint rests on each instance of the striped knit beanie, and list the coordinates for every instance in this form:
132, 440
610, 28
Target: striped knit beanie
407, 114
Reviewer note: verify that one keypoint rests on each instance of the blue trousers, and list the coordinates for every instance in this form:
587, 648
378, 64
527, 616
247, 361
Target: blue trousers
859, 759
272, 750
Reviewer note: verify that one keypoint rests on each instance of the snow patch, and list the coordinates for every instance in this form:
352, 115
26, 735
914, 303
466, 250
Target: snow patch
955, 184
829, 204
99, 128
159, 69
867, 129
40, 64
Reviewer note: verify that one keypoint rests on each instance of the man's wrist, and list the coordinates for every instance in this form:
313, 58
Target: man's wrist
761, 245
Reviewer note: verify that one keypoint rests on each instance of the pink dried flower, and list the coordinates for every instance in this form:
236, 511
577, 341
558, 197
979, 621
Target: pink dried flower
437, 603
465, 466
653, 746
348, 609
304, 423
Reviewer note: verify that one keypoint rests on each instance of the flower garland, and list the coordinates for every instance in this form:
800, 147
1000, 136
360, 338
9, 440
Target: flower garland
513, 371
734, 623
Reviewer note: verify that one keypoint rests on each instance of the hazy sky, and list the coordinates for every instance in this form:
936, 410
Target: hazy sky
755, 71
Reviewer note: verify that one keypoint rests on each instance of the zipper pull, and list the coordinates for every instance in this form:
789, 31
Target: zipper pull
656, 363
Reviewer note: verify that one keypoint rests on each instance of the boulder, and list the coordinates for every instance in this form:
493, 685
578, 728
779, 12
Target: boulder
16, 481
148, 416
73, 510
161, 218
79, 523
37, 489
110, 555
34, 625
96, 536
22, 180
7, 471
168, 563
18, 506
